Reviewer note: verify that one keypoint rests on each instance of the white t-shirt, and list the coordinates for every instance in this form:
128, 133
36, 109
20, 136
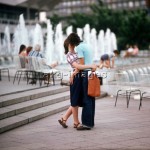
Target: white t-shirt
111, 55
130, 49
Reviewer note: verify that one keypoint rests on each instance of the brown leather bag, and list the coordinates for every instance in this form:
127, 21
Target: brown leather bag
93, 85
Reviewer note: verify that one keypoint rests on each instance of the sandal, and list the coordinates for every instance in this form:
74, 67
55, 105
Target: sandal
75, 125
81, 127
62, 122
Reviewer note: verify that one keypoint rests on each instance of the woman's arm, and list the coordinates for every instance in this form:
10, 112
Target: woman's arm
82, 66
72, 75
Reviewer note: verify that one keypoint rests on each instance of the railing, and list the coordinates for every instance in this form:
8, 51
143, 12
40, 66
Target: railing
15, 22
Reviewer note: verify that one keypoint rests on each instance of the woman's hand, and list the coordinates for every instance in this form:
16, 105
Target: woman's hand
71, 80
94, 67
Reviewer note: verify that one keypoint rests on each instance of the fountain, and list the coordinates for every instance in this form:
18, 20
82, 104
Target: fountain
80, 33
69, 30
59, 49
53, 48
49, 53
6, 41
20, 35
38, 37
107, 41
101, 46
113, 42
94, 44
86, 35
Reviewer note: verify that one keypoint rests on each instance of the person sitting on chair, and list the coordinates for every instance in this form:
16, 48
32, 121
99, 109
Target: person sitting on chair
36, 53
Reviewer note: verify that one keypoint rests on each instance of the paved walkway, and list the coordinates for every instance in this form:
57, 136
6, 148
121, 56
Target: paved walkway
115, 128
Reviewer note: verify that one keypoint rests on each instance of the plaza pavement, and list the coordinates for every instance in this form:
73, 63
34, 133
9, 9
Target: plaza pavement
116, 128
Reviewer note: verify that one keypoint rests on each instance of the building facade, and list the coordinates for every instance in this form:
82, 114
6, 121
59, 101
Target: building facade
68, 7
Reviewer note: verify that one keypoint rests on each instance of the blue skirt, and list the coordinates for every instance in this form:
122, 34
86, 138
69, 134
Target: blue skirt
104, 57
76, 91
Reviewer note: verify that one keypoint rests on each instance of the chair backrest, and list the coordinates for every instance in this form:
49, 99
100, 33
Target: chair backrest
30, 64
20, 62
35, 63
42, 63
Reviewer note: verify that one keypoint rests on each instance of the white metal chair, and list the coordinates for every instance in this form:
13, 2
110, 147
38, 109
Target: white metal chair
20, 64
3, 68
124, 83
47, 70
145, 91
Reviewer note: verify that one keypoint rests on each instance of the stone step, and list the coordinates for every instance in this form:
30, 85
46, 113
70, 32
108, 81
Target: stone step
39, 113
19, 108
15, 98
28, 117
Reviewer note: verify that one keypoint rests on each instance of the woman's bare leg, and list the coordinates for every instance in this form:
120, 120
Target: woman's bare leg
71, 110
75, 115
107, 64
101, 64
68, 113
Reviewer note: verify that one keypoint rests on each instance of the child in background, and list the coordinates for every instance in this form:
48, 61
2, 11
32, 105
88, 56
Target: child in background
108, 60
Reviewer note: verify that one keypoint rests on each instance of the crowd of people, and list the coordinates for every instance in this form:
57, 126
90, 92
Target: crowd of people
29, 51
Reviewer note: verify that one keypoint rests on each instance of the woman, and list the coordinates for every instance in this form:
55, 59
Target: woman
22, 50
28, 50
22, 55
85, 54
75, 83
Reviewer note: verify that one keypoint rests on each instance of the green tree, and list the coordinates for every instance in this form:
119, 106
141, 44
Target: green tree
55, 19
130, 27
135, 28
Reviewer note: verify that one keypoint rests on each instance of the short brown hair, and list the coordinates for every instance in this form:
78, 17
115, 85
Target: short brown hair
116, 52
74, 39
29, 48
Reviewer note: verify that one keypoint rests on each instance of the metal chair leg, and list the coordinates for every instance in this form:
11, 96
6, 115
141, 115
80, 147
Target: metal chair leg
8, 75
141, 98
20, 77
117, 97
53, 79
15, 77
129, 99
